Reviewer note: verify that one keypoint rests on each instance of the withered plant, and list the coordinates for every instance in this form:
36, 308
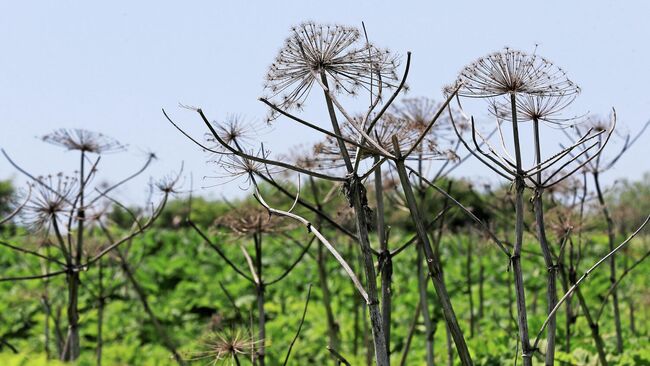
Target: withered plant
595, 167
358, 146
252, 223
62, 210
337, 61
526, 87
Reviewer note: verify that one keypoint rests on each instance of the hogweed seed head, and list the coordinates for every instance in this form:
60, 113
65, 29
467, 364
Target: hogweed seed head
236, 132
514, 72
596, 124
222, 346
536, 107
335, 51
50, 201
328, 152
249, 220
419, 112
83, 140
235, 166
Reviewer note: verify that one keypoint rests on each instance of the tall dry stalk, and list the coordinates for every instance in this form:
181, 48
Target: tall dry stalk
62, 210
536, 89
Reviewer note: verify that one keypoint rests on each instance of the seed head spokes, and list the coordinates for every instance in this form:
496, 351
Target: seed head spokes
512, 71
50, 200
84, 140
331, 51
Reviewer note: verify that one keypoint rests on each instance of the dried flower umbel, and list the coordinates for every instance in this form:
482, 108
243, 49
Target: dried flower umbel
247, 221
236, 167
315, 51
435, 144
49, 202
419, 112
513, 71
534, 90
83, 140
536, 108
328, 57
68, 206
225, 346
236, 132
328, 153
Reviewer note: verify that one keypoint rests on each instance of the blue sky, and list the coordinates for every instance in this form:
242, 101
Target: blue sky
112, 66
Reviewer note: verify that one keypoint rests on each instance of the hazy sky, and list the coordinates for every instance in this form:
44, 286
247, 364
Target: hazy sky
112, 66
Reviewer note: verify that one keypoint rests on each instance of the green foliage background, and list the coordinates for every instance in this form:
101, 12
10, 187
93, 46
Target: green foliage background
182, 275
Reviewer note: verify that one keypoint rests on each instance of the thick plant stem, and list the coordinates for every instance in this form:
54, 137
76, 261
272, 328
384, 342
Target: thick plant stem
47, 309
424, 305
595, 333
551, 281
386, 266
612, 263
433, 262
71, 346
520, 297
520, 294
429, 326
358, 200
379, 339
261, 315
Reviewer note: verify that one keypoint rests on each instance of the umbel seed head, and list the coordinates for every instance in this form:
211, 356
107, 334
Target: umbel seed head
513, 72
83, 140
50, 201
331, 51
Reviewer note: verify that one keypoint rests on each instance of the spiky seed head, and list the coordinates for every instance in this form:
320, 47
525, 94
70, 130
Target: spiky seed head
236, 131
83, 140
168, 184
313, 50
420, 112
251, 220
596, 123
513, 72
51, 200
218, 347
536, 107
233, 167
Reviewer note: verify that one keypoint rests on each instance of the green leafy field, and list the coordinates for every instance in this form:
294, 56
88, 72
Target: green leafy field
182, 275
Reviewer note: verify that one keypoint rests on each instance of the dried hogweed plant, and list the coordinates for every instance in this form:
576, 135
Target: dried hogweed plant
225, 347
357, 146
63, 209
336, 60
316, 53
594, 166
526, 87
256, 224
